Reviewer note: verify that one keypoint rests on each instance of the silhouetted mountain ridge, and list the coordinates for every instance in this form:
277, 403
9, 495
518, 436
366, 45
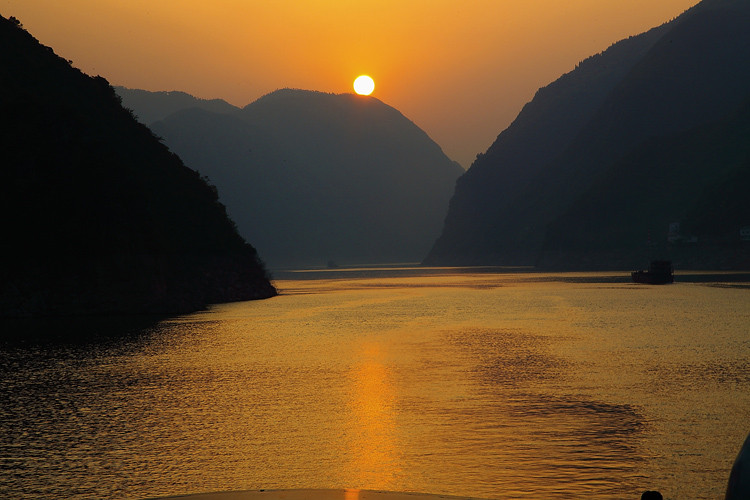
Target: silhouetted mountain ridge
334, 176
99, 217
153, 106
545, 126
690, 72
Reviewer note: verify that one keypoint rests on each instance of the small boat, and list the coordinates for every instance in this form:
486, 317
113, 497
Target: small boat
660, 272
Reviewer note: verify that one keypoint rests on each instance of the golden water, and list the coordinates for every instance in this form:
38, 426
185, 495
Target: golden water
484, 384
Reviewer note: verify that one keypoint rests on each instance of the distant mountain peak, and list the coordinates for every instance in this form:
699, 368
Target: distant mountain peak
153, 106
336, 176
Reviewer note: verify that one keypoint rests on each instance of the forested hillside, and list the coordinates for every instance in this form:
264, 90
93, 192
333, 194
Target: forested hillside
98, 215
574, 136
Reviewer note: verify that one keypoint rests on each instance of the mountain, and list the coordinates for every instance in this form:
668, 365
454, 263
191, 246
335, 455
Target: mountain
574, 134
312, 177
98, 216
695, 182
154, 106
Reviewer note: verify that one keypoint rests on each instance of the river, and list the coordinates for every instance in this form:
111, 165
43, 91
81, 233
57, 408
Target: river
489, 384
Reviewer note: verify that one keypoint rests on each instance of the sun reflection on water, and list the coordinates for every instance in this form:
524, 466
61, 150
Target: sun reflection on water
373, 427
351, 494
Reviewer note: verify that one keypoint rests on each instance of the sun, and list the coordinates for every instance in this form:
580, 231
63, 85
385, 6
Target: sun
364, 85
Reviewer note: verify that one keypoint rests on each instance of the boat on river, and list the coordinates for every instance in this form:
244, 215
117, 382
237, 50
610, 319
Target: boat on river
660, 272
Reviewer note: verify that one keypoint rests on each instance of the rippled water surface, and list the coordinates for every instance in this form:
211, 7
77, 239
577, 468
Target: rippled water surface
479, 384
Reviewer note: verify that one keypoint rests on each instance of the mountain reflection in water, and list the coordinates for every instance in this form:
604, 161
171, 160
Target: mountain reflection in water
493, 384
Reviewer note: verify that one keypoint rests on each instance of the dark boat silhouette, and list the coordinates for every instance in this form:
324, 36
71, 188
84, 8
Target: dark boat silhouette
660, 272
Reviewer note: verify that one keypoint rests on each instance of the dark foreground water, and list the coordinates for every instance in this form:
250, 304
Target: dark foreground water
477, 384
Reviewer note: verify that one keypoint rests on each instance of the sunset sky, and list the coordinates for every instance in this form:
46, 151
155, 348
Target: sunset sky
459, 70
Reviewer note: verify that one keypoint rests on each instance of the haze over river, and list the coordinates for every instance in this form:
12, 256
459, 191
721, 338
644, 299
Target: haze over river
485, 384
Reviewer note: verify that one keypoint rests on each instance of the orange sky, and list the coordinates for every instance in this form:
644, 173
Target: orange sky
461, 70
